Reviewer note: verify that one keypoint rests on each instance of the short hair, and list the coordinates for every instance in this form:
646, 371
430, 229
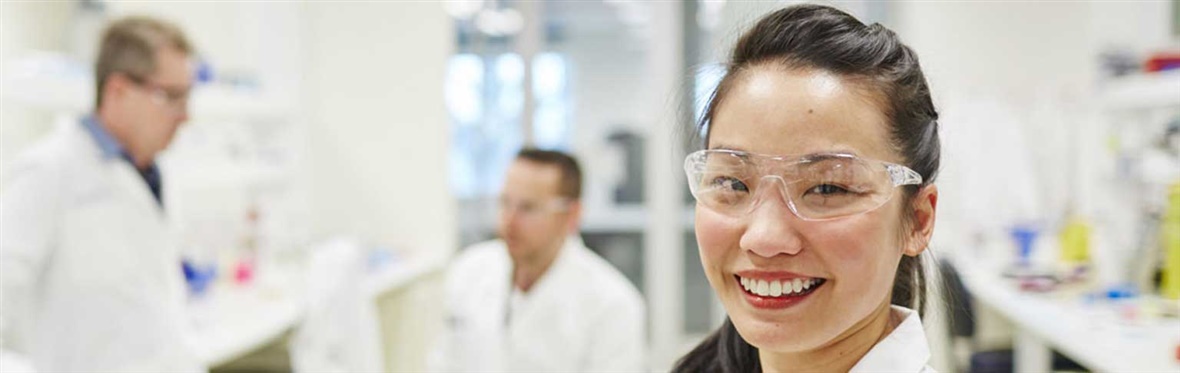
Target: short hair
129, 46
571, 174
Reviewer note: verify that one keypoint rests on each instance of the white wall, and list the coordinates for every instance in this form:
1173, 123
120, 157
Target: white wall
27, 27
1003, 50
379, 131
378, 143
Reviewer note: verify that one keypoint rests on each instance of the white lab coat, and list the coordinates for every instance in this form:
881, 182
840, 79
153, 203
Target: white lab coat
582, 315
91, 278
904, 350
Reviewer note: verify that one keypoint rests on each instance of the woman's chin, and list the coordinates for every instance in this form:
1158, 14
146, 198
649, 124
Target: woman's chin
777, 335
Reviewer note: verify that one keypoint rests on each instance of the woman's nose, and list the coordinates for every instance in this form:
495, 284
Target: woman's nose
770, 229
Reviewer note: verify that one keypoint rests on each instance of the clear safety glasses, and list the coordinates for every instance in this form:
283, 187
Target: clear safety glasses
815, 187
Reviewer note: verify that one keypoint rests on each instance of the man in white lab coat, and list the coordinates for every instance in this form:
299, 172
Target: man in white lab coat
91, 278
537, 300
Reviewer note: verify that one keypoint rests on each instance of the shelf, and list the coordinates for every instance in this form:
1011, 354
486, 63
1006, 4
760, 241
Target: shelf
75, 95
1143, 91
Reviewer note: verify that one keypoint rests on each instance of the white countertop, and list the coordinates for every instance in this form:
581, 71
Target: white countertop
1090, 332
232, 320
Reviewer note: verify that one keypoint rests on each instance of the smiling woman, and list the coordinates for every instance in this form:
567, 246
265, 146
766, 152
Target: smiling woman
815, 198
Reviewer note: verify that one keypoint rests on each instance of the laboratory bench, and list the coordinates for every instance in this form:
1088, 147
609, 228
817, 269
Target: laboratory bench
1103, 335
231, 320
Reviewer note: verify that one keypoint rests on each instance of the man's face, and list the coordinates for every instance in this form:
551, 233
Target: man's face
149, 110
534, 218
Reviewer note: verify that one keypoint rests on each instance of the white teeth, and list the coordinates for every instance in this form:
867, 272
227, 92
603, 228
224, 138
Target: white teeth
778, 288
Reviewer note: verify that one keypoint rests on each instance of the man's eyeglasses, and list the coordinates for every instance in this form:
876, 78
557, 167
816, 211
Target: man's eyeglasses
164, 96
533, 208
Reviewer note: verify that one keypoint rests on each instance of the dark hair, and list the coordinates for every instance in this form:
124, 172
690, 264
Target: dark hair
129, 46
571, 173
825, 38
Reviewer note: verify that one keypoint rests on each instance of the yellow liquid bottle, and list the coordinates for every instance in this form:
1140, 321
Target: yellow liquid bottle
1170, 239
1075, 241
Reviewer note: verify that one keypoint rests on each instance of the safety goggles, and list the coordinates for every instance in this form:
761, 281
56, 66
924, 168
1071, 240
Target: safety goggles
815, 187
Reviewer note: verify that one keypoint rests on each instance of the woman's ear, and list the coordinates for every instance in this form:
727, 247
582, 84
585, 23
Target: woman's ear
923, 209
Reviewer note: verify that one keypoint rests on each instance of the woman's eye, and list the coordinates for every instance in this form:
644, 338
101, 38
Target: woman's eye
828, 189
730, 183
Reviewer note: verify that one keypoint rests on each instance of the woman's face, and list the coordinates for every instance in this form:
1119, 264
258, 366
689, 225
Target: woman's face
791, 112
